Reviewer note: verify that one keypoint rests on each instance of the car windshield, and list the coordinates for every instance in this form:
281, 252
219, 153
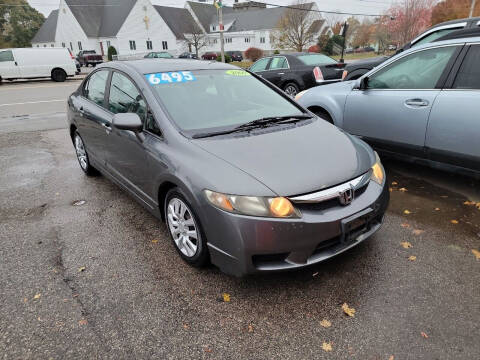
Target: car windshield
316, 59
217, 100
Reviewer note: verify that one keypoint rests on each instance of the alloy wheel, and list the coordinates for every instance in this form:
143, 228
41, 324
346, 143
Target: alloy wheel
291, 90
81, 153
182, 227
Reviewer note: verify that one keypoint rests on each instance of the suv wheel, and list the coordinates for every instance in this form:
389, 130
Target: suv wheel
291, 89
185, 229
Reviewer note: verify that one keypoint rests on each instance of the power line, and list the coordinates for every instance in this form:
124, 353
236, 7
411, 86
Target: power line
320, 11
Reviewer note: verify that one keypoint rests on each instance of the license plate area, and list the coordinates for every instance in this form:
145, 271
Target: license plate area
356, 225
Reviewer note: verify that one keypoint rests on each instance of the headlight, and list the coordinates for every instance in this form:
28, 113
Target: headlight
253, 205
300, 94
378, 174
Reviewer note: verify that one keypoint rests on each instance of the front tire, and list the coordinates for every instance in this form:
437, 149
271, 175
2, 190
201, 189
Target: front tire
58, 75
185, 229
82, 155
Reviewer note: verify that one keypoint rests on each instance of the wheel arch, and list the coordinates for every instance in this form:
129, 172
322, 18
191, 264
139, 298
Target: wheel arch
73, 128
322, 112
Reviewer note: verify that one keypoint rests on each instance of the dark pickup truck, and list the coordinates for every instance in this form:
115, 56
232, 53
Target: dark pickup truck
89, 57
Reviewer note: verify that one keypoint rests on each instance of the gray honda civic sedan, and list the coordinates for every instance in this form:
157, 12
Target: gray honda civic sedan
243, 176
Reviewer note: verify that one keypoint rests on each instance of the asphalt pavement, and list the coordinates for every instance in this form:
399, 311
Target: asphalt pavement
86, 272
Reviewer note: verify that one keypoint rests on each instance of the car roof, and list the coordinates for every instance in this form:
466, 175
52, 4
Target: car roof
475, 19
150, 66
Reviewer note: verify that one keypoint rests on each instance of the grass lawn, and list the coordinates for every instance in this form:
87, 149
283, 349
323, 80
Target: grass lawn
243, 64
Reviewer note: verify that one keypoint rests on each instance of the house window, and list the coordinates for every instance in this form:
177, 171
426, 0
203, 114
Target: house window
214, 27
44, 45
38, 45
63, 44
149, 45
228, 40
108, 44
247, 40
71, 46
52, 45
262, 40
80, 45
133, 46
214, 41
164, 45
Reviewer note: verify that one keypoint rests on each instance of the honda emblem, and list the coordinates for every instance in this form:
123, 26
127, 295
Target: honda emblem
346, 196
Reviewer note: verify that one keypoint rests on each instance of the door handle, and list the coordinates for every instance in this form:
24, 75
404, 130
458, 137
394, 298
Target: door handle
81, 111
416, 102
281, 73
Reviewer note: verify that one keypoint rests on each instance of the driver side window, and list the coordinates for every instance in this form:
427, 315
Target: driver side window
125, 97
420, 70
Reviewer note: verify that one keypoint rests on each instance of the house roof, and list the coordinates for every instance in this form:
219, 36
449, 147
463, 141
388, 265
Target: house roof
47, 31
206, 13
100, 18
316, 26
179, 20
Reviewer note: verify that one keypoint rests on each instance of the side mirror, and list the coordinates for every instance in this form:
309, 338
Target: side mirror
362, 83
128, 121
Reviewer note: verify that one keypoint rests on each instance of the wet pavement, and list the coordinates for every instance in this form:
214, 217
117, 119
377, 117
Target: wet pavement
86, 272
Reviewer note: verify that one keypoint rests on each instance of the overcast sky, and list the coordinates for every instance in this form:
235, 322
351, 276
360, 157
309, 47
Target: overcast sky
351, 6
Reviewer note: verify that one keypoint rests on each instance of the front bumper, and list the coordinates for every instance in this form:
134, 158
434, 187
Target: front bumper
241, 245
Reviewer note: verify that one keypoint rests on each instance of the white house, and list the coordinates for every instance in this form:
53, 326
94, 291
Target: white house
135, 27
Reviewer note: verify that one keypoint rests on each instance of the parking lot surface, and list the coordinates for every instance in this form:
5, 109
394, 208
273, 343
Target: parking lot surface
86, 272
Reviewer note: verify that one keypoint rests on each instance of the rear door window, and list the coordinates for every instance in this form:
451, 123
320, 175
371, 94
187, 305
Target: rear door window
468, 76
278, 63
6, 56
435, 35
95, 88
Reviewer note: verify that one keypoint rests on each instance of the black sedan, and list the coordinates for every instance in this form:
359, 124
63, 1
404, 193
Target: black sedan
298, 71
188, 55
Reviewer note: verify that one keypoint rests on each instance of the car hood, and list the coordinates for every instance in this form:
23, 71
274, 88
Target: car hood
296, 160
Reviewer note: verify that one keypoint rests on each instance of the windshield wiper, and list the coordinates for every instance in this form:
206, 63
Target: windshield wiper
255, 124
273, 120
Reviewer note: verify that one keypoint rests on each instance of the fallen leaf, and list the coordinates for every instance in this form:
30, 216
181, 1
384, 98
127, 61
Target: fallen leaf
226, 297
424, 335
454, 221
315, 274
250, 328
37, 296
391, 357
406, 244
469, 203
412, 258
394, 183
325, 323
405, 225
81, 269
186, 327
444, 196
418, 232
82, 322
327, 346
476, 253
155, 241
406, 212
348, 310
402, 190
478, 205
207, 349
390, 189
437, 209
78, 203
25, 300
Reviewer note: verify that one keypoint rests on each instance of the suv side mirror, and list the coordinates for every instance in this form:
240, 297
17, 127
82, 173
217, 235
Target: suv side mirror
128, 121
362, 83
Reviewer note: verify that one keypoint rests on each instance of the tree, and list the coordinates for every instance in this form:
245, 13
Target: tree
294, 30
410, 18
363, 35
353, 26
18, 23
195, 37
453, 9
111, 52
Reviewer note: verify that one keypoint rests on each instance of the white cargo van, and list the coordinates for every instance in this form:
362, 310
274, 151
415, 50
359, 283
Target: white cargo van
31, 63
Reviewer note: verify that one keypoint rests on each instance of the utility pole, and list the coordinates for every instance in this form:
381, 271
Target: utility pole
344, 34
219, 5
472, 7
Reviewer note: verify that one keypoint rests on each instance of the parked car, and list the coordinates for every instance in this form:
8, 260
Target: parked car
358, 68
89, 57
31, 63
158, 55
235, 55
421, 104
210, 56
298, 71
188, 55
242, 174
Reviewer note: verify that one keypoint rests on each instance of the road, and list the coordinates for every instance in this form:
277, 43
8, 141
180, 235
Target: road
100, 279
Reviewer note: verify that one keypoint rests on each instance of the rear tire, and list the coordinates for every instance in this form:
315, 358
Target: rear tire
185, 229
82, 156
58, 75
